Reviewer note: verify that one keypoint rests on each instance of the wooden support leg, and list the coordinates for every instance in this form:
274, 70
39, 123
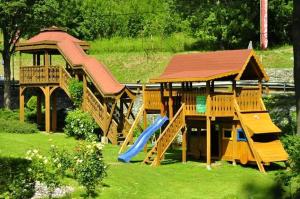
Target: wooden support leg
47, 109
39, 109
22, 104
208, 143
145, 126
54, 113
184, 146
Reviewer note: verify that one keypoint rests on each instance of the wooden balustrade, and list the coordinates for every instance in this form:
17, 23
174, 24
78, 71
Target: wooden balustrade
167, 137
189, 99
96, 109
152, 99
64, 80
249, 99
222, 104
39, 74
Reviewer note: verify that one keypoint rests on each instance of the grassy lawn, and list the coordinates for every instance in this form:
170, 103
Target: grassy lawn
171, 180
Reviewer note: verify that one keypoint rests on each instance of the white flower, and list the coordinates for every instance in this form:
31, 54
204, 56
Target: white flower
45, 161
99, 146
79, 161
59, 165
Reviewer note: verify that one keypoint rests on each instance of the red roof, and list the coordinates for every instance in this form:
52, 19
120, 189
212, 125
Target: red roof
205, 66
70, 48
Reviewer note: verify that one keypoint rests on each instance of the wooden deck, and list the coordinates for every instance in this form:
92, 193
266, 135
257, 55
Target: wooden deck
221, 103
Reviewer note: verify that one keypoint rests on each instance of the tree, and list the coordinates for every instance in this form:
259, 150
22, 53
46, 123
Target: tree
19, 18
296, 47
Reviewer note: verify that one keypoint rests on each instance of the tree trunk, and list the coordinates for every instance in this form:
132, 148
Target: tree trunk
296, 47
7, 72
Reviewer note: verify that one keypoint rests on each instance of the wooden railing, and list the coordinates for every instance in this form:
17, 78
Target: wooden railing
167, 137
96, 109
64, 80
249, 99
152, 99
189, 99
221, 104
39, 74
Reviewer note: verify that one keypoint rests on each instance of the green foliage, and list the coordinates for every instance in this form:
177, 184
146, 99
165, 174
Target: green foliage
15, 126
61, 159
89, 168
291, 178
75, 88
7, 114
15, 179
81, 125
283, 112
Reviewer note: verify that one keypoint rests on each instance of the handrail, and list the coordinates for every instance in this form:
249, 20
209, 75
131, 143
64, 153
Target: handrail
130, 133
162, 145
249, 139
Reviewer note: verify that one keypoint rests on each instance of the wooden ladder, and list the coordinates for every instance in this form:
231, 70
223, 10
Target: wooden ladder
249, 139
156, 154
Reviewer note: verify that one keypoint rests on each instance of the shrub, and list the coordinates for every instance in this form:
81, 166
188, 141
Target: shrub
61, 160
15, 179
15, 126
9, 114
80, 124
89, 168
76, 91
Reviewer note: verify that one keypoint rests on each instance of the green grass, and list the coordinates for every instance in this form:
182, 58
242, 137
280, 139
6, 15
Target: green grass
171, 180
133, 59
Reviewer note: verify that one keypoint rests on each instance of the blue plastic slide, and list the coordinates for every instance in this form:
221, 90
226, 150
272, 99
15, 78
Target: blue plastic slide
142, 139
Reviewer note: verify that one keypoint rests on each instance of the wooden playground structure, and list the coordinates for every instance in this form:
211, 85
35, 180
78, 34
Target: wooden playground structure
109, 102
231, 123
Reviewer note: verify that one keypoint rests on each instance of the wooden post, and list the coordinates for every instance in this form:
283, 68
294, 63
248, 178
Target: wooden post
162, 108
22, 103
184, 145
46, 62
34, 59
170, 102
145, 126
208, 128
38, 59
54, 112
39, 109
47, 108
84, 82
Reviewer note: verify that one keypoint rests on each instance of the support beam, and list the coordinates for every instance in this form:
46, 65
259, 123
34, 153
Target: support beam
22, 103
208, 127
162, 108
47, 108
54, 112
145, 126
171, 114
184, 145
39, 109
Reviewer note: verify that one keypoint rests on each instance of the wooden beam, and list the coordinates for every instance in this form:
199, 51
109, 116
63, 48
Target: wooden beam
171, 114
47, 108
162, 108
110, 118
145, 126
22, 103
184, 145
208, 127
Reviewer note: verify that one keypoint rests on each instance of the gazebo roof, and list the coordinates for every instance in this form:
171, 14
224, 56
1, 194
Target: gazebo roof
217, 65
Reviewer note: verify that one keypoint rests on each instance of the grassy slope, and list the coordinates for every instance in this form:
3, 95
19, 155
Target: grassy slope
141, 59
175, 180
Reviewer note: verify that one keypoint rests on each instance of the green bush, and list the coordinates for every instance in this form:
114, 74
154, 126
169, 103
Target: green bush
80, 124
15, 126
61, 159
76, 90
89, 168
9, 114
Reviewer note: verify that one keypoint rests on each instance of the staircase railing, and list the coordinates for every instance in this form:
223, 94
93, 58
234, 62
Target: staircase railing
129, 136
167, 137
64, 80
249, 139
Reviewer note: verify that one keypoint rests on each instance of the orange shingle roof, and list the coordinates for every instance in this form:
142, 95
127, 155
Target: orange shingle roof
208, 66
70, 48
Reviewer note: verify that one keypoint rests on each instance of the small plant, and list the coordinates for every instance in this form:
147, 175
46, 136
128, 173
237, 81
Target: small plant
61, 160
42, 170
89, 168
76, 91
81, 125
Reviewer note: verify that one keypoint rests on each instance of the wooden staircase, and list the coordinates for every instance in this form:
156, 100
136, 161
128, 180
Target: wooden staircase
99, 112
156, 154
